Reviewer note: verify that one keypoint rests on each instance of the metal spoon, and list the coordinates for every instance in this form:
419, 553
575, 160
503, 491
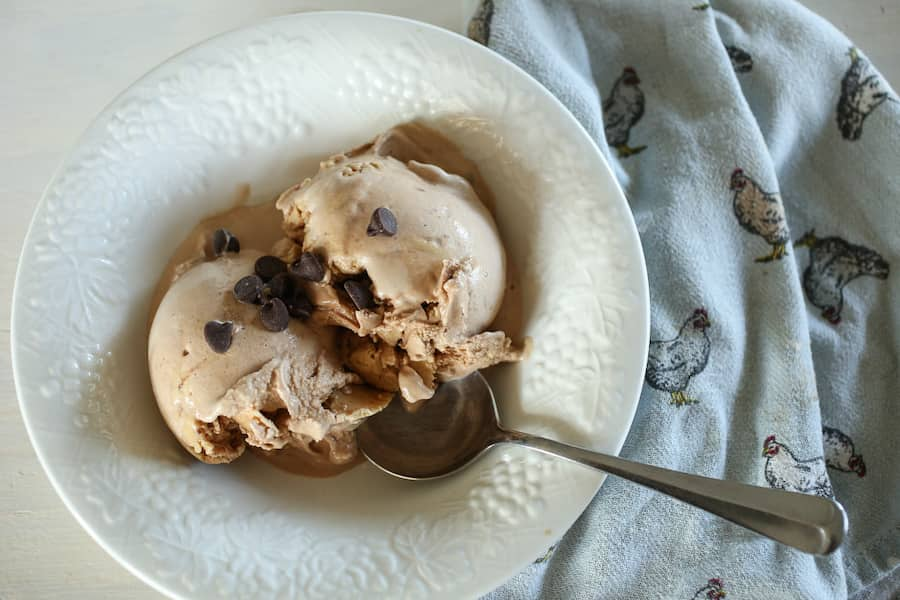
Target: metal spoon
449, 431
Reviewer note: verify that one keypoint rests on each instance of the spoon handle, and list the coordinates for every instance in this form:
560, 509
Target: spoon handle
809, 523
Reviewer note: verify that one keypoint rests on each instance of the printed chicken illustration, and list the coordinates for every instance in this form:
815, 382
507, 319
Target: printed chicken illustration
761, 213
622, 109
787, 472
672, 363
840, 453
546, 556
833, 263
862, 91
741, 61
480, 23
713, 590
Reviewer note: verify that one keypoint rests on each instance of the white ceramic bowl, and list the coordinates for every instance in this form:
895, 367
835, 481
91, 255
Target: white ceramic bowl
261, 106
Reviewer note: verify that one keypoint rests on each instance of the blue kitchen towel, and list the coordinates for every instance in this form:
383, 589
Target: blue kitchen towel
760, 152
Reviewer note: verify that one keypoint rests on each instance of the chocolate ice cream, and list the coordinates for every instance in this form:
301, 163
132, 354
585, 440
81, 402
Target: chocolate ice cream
413, 264
388, 279
222, 379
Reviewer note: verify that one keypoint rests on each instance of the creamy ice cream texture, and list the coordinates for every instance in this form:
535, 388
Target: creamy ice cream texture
408, 273
438, 281
269, 390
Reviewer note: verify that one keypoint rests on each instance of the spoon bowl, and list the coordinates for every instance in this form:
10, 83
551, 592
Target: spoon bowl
451, 430
436, 438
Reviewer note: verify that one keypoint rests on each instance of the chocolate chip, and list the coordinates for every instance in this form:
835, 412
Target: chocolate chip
299, 306
283, 286
218, 335
359, 293
224, 241
289, 289
248, 289
382, 222
268, 267
309, 267
274, 315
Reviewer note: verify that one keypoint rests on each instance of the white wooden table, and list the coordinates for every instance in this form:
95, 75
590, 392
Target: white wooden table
61, 62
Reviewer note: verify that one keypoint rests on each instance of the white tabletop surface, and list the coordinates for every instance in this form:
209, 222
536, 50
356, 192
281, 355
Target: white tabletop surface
62, 62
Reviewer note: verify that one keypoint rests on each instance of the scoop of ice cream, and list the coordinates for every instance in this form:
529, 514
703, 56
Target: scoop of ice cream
412, 259
444, 234
233, 382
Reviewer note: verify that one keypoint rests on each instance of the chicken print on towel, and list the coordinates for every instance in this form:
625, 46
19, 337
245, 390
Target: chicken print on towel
741, 61
787, 472
833, 263
840, 454
761, 213
672, 363
480, 24
713, 590
861, 92
621, 111
546, 555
